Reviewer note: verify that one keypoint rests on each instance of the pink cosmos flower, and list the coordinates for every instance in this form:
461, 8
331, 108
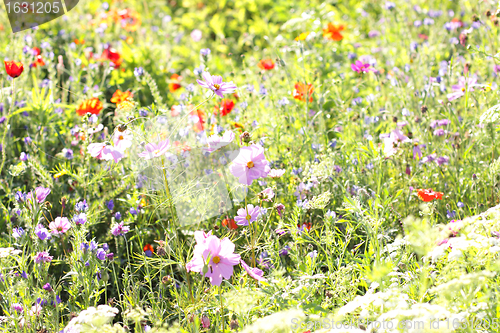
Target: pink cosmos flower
214, 83
460, 88
122, 140
247, 215
255, 273
42, 257
214, 258
361, 67
155, 150
392, 141
267, 194
276, 173
60, 225
215, 142
101, 151
250, 164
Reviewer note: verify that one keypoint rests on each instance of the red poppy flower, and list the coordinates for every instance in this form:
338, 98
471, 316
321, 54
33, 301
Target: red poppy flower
225, 107
120, 96
14, 69
429, 195
266, 64
302, 89
173, 86
148, 247
332, 31
112, 55
93, 105
230, 224
199, 116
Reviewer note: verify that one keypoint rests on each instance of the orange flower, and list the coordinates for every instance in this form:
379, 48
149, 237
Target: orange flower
200, 117
120, 96
14, 69
266, 64
129, 19
230, 224
429, 195
302, 89
38, 61
225, 107
173, 86
113, 56
148, 247
79, 41
332, 31
302, 36
93, 105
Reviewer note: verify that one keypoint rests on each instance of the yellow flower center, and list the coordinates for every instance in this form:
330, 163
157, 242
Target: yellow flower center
463, 89
216, 260
120, 137
216, 86
250, 165
156, 152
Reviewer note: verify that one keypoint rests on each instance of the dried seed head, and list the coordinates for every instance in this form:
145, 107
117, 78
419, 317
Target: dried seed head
122, 128
423, 109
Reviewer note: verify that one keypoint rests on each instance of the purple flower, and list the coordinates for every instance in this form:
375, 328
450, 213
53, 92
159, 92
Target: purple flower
20, 196
285, 250
439, 132
250, 164
24, 275
264, 260
417, 150
42, 232
215, 83
92, 246
247, 215
23, 156
138, 72
42, 257
133, 211
105, 246
280, 208
118, 216
110, 204
444, 122
17, 232
205, 52
67, 153
27, 140
101, 254
119, 229
17, 307
47, 287
110, 256
81, 206
80, 218
41, 193
460, 204
442, 160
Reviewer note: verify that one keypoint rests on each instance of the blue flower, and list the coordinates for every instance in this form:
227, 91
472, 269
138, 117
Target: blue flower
110, 204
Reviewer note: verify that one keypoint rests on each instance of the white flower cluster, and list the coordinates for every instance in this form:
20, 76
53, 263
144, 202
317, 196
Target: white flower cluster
91, 319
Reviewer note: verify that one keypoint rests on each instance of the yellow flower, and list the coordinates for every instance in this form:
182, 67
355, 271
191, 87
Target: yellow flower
302, 36
487, 87
62, 173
